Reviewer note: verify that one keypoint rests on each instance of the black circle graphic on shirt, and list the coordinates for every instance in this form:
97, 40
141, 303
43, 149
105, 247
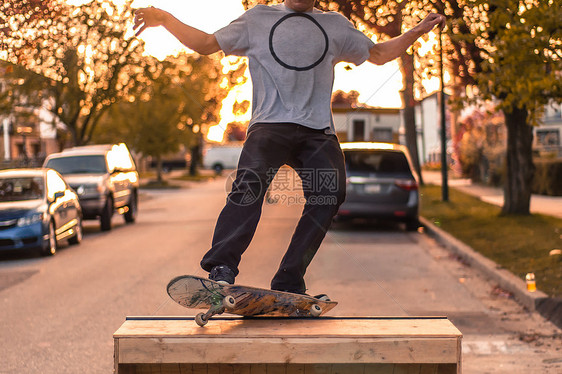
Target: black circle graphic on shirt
291, 67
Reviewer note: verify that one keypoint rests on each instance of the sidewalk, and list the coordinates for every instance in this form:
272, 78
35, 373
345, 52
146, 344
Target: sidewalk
547, 205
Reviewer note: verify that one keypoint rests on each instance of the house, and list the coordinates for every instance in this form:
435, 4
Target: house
366, 124
428, 128
27, 134
27, 138
548, 136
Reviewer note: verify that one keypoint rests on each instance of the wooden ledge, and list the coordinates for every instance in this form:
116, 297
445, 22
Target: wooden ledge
261, 327
288, 341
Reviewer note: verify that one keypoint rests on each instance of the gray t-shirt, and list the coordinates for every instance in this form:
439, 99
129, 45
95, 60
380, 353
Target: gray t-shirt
291, 58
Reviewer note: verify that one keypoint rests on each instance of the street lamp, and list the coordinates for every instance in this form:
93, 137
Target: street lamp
444, 180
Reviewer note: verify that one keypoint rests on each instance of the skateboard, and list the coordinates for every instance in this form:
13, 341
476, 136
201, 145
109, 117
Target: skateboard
200, 293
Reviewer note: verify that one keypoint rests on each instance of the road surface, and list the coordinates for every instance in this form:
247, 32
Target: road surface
58, 314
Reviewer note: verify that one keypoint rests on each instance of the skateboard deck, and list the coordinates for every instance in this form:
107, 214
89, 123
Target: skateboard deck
200, 293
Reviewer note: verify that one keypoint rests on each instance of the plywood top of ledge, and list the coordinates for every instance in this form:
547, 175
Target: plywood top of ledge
382, 327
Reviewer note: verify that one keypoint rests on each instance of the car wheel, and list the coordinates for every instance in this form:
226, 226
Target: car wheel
77, 237
50, 247
106, 214
218, 169
412, 224
132, 209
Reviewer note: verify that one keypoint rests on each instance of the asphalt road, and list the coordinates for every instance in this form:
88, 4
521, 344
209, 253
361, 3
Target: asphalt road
58, 315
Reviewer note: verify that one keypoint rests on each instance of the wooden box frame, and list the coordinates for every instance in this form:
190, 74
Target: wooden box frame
327, 345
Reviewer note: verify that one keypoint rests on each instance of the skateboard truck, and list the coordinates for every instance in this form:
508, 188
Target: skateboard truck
218, 307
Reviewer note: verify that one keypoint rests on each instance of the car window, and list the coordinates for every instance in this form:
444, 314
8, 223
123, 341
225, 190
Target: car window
119, 158
19, 189
91, 164
376, 161
54, 184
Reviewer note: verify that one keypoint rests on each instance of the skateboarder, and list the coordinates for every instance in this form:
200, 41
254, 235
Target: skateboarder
292, 49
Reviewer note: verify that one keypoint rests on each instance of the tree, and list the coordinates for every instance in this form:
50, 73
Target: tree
343, 99
172, 101
523, 69
16, 14
236, 131
520, 44
86, 56
482, 145
16, 99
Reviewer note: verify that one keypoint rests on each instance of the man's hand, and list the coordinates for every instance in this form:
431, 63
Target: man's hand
149, 17
428, 23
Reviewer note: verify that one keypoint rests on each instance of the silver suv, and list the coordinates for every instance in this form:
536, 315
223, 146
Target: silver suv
104, 177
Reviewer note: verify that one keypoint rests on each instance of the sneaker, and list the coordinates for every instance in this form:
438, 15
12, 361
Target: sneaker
222, 274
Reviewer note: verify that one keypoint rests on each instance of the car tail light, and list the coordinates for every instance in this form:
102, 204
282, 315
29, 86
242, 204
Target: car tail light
407, 184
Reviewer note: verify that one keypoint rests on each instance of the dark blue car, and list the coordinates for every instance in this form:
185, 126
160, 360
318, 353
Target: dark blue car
381, 184
37, 210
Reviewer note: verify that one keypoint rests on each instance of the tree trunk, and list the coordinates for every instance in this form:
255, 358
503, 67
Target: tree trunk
519, 158
195, 158
409, 114
196, 154
159, 163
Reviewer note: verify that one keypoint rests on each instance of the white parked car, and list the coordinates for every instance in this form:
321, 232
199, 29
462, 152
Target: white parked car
221, 157
104, 177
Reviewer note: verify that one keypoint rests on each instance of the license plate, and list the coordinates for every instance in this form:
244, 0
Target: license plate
372, 188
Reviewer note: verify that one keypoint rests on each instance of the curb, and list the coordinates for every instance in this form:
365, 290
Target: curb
533, 301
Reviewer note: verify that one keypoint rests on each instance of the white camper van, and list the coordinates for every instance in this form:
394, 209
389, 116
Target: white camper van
221, 157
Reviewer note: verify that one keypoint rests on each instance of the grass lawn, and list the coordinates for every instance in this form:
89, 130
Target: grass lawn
520, 244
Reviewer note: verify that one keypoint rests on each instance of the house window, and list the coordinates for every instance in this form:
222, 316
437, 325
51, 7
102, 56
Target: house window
36, 149
549, 137
358, 130
382, 135
20, 150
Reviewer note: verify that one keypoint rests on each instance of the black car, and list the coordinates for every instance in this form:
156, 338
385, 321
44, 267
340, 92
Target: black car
381, 183
37, 210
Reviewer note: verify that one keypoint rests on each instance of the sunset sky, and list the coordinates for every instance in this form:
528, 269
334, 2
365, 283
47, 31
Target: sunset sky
379, 86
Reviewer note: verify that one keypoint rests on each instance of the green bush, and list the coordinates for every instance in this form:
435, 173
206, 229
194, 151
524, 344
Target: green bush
548, 177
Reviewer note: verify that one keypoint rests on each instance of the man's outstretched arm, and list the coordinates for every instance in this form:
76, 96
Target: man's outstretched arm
381, 53
196, 40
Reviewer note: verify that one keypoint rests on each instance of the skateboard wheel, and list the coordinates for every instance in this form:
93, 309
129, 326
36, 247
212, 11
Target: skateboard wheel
201, 320
315, 310
229, 302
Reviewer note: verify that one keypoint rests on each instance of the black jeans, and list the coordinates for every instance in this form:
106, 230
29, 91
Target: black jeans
318, 160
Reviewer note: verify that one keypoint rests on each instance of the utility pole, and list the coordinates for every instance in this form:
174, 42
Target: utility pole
6, 135
444, 179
